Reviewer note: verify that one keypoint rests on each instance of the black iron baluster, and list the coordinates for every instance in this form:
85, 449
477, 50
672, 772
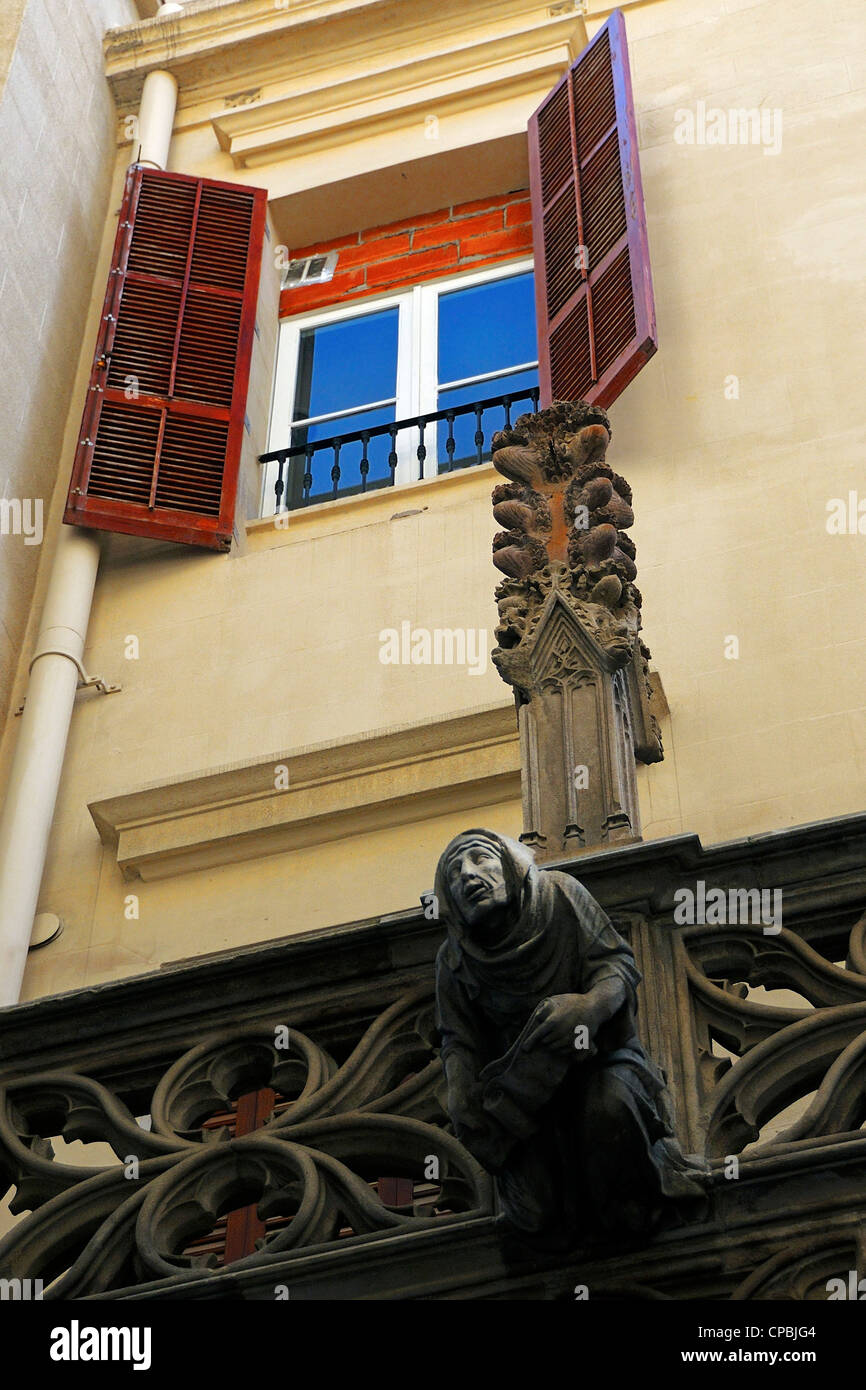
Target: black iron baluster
286, 489
450, 442
422, 448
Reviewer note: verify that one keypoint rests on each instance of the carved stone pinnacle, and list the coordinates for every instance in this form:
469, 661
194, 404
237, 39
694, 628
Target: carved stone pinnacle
568, 632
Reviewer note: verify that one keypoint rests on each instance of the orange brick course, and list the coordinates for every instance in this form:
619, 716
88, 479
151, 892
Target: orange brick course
468, 235
422, 265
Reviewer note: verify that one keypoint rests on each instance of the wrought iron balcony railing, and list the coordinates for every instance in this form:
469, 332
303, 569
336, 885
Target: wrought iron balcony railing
297, 483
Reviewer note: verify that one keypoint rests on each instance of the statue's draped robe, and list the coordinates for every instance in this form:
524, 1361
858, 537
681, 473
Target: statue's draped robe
579, 1141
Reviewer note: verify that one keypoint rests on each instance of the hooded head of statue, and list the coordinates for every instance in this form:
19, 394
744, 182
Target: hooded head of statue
482, 883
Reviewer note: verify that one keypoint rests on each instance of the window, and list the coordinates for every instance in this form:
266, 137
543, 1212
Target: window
359, 368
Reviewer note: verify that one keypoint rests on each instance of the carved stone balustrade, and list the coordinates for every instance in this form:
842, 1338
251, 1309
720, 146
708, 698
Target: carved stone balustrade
272, 1117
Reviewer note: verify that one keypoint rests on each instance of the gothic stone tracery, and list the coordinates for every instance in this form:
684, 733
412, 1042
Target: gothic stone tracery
568, 632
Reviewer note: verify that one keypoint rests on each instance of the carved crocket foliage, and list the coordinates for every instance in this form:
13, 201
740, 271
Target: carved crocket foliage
569, 618
565, 505
311, 1165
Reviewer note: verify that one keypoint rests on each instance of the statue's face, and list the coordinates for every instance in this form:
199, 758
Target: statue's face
476, 880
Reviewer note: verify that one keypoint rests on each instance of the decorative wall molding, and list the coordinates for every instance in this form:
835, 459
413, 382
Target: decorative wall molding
332, 791
207, 47
488, 72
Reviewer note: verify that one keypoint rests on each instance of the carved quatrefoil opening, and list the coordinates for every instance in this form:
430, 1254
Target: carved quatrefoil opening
279, 1146
783, 1057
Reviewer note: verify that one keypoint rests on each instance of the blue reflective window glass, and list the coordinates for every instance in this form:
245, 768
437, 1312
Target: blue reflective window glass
349, 363
487, 328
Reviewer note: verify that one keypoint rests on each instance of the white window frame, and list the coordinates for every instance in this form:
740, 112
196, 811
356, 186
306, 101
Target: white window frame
417, 387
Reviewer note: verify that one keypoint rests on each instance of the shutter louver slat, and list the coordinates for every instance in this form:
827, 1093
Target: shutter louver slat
206, 356
223, 231
163, 222
125, 452
555, 142
570, 358
594, 304
594, 100
614, 312
604, 219
562, 237
143, 345
163, 426
191, 464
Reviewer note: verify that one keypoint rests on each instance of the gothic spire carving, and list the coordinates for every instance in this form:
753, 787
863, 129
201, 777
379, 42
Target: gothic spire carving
568, 633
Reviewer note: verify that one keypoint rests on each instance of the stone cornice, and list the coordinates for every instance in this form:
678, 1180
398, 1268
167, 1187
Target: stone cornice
334, 790
217, 49
445, 83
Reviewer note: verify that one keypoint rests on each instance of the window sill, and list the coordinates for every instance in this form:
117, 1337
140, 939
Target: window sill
369, 508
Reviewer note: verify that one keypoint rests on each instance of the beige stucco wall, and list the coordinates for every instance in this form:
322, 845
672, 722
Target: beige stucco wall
57, 138
757, 275
10, 23
756, 267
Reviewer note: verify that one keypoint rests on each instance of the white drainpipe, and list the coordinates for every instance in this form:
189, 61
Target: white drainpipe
31, 794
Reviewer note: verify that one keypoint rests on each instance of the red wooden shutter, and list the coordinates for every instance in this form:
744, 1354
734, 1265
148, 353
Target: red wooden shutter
163, 425
594, 299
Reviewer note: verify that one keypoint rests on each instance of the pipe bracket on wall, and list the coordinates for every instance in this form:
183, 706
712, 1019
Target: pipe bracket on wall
84, 681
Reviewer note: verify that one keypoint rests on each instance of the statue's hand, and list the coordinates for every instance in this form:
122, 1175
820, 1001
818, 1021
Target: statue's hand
464, 1105
464, 1093
472, 1126
555, 1022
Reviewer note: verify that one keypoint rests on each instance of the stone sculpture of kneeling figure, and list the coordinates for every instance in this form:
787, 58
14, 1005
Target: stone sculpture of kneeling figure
548, 1084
